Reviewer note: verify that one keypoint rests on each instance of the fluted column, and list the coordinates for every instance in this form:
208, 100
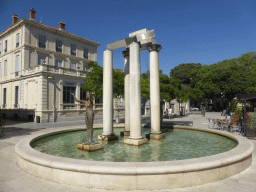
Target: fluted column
127, 92
154, 91
107, 96
135, 97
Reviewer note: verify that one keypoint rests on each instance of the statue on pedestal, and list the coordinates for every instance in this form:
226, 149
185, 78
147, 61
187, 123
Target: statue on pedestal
89, 116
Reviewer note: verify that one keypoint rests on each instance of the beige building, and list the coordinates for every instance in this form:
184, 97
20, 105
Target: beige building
40, 66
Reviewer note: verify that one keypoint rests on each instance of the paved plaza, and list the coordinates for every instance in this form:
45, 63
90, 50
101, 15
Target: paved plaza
13, 179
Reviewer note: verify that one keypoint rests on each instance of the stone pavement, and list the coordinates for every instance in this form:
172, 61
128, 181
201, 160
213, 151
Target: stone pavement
13, 179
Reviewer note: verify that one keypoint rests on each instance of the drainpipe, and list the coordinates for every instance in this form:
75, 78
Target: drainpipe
1, 81
53, 100
20, 68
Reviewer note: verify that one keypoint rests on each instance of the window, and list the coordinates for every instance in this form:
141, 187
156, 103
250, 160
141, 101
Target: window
67, 89
59, 46
5, 67
73, 49
98, 100
84, 67
16, 96
41, 60
73, 65
17, 40
4, 98
0, 48
42, 41
86, 52
82, 94
58, 63
17, 63
5, 46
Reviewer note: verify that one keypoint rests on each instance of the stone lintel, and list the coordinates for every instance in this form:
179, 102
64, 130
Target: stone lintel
125, 133
155, 136
89, 147
107, 137
136, 142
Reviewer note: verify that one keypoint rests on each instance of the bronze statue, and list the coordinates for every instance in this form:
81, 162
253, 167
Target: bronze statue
89, 116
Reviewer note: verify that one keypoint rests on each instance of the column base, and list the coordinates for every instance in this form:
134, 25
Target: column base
125, 133
89, 148
107, 137
136, 141
155, 136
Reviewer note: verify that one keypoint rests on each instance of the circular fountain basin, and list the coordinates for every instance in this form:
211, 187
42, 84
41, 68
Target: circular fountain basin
135, 175
178, 144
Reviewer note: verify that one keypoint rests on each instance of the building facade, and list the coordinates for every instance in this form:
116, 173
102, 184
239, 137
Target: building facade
40, 66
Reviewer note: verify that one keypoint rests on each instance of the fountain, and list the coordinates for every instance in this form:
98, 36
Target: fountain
156, 167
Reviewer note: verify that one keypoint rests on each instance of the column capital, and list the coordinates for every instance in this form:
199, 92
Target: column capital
126, 53
154, 47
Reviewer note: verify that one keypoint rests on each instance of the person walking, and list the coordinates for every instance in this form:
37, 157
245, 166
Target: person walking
166, 113
170, 112
203, 111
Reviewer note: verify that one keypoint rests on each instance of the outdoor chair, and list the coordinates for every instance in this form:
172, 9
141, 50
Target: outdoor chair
236, 127
213, 124
224, 125
223, 112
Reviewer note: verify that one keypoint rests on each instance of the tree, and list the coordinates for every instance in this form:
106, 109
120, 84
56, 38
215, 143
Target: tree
183, 71
94, 81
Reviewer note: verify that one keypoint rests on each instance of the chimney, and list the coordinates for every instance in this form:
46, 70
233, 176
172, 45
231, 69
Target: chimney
32, 14
62, 25
14, 19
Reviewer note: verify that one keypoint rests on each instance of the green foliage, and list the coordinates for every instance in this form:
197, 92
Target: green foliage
183, 71
144, 86
252, 120
167, 86
94, 81
223, 80
233, 105
118, 83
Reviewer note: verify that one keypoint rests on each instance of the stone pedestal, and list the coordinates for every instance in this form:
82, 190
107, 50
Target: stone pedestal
125, 133
107, 137
136, 141
155, 136
89, 147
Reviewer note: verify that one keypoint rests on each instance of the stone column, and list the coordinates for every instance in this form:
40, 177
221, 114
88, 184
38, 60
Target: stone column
126, 92
107, 97
135, 97
155, 92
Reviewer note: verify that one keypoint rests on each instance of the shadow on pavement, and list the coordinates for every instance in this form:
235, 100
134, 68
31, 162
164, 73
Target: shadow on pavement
15, 132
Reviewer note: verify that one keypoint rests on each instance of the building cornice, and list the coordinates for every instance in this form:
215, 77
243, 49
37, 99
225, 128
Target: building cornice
48, 28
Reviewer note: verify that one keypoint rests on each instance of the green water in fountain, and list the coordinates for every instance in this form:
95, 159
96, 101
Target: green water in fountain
177, 145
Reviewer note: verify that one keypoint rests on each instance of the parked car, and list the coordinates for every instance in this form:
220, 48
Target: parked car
194, 109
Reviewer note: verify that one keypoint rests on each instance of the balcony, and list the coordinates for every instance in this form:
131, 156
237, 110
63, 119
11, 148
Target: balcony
55, 70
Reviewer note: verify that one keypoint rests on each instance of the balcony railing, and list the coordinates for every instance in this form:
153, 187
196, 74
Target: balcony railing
56, 70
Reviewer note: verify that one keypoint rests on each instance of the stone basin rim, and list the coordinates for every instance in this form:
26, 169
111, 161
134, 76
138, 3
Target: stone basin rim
241, 152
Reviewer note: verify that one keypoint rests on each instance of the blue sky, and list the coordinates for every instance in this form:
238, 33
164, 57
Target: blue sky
198, 31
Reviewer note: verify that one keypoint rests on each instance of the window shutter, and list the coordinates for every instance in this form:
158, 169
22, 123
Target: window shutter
0, 48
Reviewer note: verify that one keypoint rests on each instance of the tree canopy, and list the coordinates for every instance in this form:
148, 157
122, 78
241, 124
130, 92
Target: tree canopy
94, 81
220, 81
